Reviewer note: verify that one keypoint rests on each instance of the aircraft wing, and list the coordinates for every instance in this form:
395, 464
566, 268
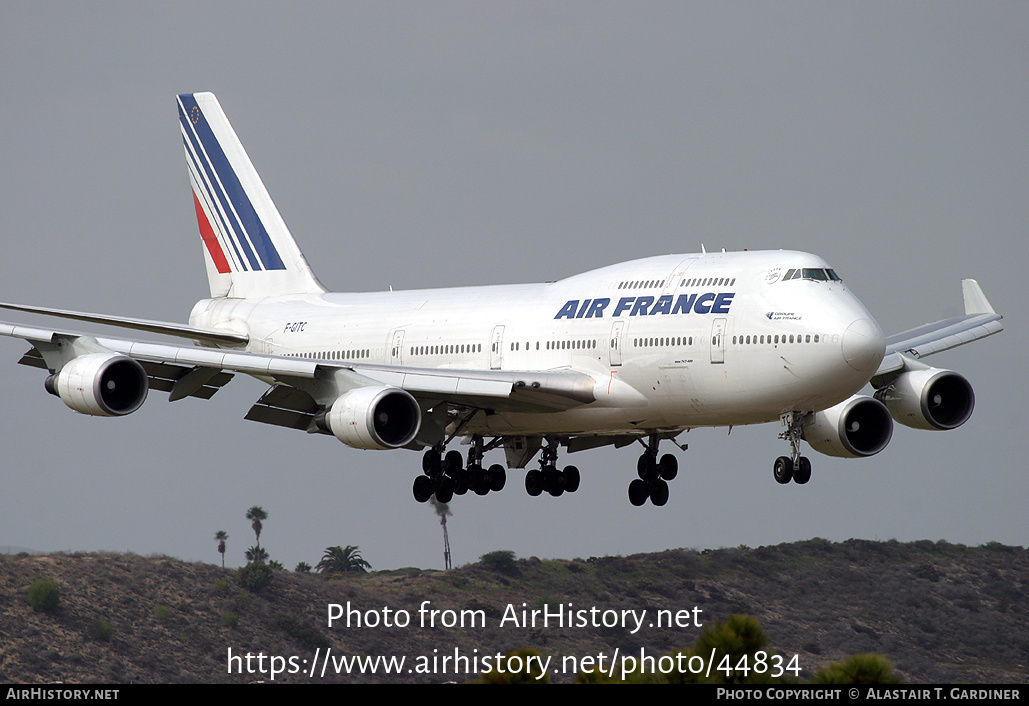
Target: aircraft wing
161, 327
302, 387
979, 321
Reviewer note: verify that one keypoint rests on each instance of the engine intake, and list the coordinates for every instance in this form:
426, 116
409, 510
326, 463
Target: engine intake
374, 418
101, 384
857, 427
929, 399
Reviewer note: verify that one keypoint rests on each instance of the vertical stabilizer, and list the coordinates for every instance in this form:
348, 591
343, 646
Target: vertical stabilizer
248, 249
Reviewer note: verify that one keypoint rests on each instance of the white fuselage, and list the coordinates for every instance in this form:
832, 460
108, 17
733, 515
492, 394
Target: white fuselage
673, 342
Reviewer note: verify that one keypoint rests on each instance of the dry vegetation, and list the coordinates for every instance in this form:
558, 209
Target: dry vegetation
940, 612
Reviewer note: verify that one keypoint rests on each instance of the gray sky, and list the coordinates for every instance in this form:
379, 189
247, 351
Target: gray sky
440, 144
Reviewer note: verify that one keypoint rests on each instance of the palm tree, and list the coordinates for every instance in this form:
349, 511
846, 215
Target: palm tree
256, 515
443, 511
338, 560
220, 536
257, 554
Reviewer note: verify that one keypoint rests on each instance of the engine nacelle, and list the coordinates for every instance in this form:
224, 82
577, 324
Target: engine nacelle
857, 427
929, 399
101, 384
374, 418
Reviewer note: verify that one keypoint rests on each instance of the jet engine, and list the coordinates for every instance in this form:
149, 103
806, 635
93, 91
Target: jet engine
929, 399
101, 384
374, 418
859, 426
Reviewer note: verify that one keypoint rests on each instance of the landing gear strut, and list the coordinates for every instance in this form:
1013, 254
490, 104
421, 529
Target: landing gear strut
446, 475
654, 475
548, 478
793, 467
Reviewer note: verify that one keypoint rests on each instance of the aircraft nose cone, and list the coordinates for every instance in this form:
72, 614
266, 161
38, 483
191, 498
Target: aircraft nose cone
864, 345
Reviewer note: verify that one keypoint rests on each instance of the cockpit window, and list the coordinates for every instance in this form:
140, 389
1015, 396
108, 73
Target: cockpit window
816, 274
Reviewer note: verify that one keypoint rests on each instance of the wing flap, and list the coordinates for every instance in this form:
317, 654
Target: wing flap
284, 406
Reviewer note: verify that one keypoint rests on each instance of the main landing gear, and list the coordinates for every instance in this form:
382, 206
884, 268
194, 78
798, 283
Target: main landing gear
654, 475
446, 475
793, 467
548, 478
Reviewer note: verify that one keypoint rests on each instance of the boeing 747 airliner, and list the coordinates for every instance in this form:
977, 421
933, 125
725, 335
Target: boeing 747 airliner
635, 352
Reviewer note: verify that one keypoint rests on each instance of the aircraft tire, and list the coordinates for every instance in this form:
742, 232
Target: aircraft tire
480, 481
572, 479
638, 492
646, 467
461, 483
497, 477
668, 467
422, 488
431, 463
803, 472
534, 483
445, 490
452, 463
659, 493
783, 470
557, 484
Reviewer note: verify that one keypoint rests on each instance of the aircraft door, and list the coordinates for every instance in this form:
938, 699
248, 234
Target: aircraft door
615, 350
396, 347
718, 329
496, 348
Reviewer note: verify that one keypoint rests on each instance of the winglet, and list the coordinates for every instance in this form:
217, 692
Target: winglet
975, 301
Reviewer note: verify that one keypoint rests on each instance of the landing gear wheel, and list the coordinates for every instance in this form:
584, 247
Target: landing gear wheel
497, 477
571, 479
668, 467
431, 463
783, 469
646, 467
479, 480
422, 488
659, 493
461, 483
802, 474
452, 463
638, 492
533, 483
445, 491
557, 484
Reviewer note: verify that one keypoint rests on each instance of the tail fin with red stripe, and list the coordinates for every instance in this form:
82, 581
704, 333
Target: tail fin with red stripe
248, 249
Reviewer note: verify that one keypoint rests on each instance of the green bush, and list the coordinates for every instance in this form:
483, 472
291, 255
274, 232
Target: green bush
163, 614
222, 586
502, 561
44, 596
254, 576
102, 629
858, 669
230, 620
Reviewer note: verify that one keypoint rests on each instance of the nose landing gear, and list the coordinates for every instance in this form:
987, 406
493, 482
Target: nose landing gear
793, 467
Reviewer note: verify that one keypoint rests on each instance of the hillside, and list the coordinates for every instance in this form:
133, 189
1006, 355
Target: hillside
940, 612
